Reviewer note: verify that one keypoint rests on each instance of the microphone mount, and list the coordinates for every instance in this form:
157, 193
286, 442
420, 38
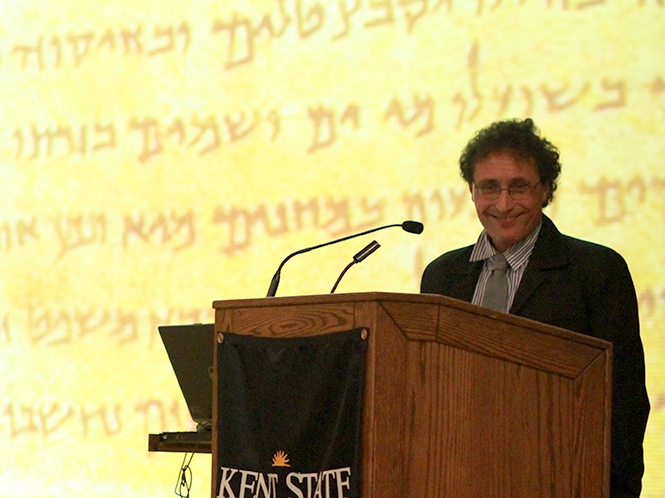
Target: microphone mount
366, 251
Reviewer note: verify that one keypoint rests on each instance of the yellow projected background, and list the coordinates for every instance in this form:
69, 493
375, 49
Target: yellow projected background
158, 155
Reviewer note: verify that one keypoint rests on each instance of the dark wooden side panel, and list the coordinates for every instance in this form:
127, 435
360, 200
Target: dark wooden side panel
384, 409
223, 323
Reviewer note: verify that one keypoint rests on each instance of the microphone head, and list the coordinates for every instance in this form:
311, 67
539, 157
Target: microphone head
413, 227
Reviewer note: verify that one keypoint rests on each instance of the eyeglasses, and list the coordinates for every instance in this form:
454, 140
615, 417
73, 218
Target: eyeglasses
518, 191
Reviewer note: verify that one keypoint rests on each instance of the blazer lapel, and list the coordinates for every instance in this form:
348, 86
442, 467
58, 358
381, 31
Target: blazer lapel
464, 276
465, 284
548, 253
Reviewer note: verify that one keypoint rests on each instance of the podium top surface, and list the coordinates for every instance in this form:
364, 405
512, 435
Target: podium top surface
410, 300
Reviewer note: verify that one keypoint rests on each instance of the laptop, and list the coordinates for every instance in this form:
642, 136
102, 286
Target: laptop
190, 350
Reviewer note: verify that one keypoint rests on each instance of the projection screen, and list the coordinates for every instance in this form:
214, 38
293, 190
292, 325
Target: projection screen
158, 155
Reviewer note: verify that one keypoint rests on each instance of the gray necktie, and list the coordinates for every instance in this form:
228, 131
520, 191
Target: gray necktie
496, 290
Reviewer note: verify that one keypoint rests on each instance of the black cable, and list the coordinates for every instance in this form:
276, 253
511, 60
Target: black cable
184, 484
185, 476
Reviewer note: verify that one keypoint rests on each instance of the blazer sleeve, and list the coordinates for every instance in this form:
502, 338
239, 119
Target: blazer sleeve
612, 313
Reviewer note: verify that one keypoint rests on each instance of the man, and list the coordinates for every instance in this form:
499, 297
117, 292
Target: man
523, 265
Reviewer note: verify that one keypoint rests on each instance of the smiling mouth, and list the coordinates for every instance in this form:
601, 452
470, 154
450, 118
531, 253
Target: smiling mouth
506, 218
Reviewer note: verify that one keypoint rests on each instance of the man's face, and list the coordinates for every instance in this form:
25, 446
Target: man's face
506, 220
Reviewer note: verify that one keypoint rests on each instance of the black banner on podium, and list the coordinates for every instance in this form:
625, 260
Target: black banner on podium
290, 415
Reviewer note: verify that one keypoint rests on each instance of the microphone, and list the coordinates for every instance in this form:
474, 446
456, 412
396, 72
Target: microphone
408, 226
369, 249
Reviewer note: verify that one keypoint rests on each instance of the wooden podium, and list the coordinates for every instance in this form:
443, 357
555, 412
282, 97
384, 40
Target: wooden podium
460, 401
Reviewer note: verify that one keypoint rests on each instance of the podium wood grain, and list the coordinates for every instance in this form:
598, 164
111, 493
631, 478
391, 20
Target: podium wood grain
460, 401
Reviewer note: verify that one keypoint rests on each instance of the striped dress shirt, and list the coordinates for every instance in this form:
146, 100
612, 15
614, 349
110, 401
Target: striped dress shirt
517, 256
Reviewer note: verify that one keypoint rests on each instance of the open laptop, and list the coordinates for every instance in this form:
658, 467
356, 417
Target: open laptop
190, 350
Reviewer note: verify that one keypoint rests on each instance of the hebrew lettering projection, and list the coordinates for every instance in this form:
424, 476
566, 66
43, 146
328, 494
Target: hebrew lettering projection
160, 155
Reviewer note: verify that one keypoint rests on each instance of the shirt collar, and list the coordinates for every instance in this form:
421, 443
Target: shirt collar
516, 255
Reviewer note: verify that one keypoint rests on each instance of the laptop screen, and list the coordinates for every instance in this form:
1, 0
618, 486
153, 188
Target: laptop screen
190, 350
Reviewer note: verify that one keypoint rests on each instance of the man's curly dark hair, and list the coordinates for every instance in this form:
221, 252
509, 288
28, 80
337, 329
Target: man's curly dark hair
522, 138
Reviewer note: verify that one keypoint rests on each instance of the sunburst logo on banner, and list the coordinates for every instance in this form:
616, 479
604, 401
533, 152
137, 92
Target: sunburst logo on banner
280, 459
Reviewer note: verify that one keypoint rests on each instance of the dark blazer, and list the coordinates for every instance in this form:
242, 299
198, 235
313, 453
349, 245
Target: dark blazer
585, 288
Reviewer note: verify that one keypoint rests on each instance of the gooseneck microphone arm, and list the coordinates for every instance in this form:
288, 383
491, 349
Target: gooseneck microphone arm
409, 226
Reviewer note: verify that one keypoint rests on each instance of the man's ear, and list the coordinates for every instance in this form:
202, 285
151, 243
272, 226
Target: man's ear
546, 193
